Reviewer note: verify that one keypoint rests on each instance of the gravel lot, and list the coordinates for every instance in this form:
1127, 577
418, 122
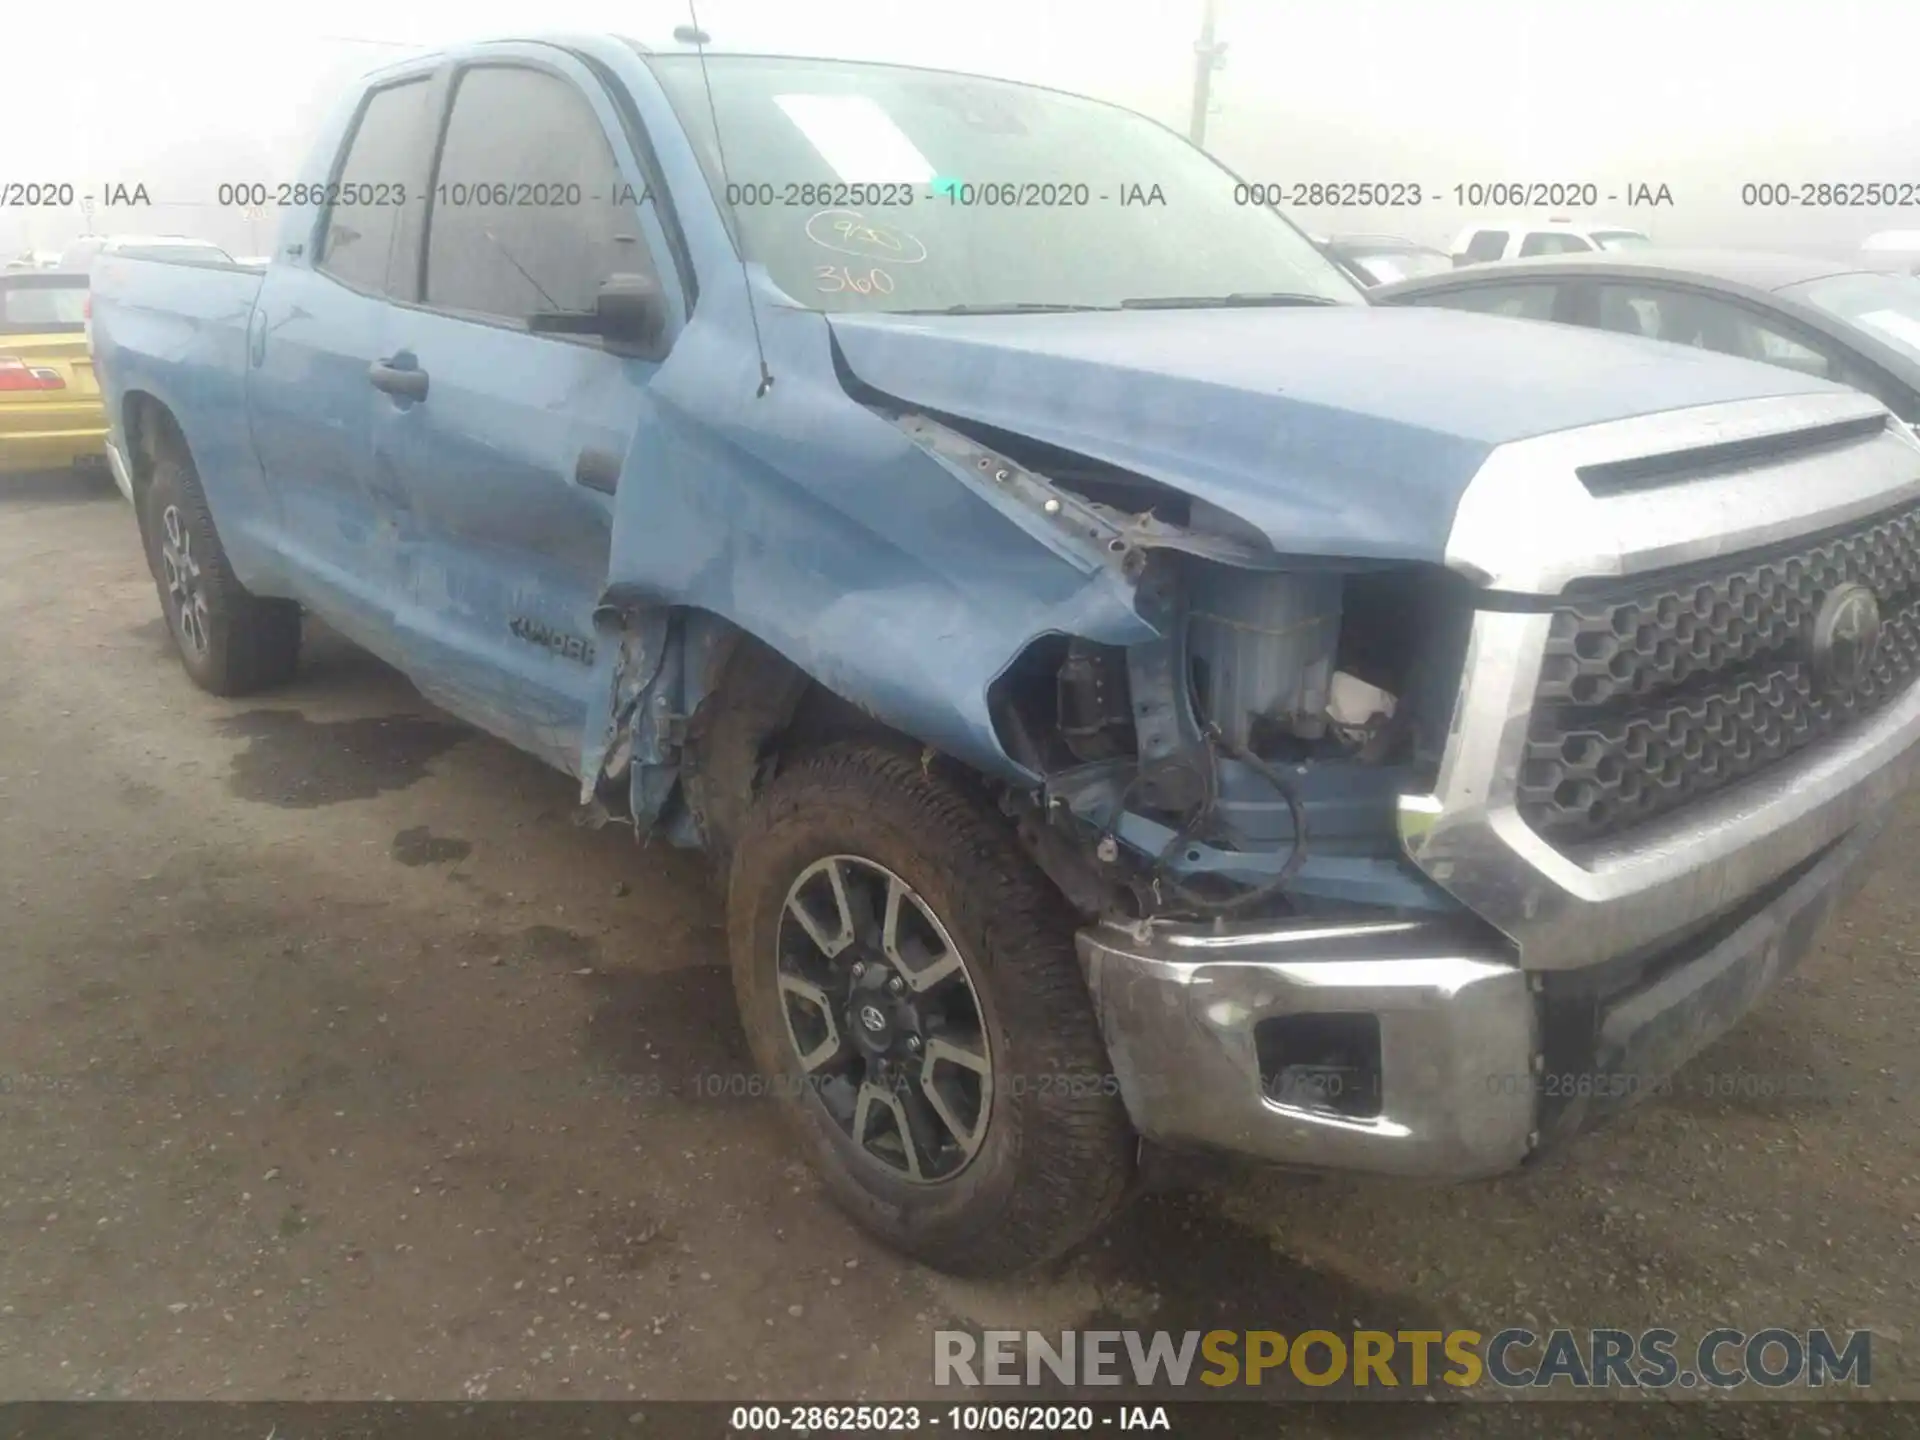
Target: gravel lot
340, 1062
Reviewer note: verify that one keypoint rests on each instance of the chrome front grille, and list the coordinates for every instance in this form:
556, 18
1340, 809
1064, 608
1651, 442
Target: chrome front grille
1678, 685
1574, 884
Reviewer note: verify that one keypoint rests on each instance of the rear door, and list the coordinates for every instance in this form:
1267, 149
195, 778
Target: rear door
497, 451
50, 407
316, 329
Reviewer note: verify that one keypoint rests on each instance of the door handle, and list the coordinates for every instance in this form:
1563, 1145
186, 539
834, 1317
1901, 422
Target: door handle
598, 470
401, 384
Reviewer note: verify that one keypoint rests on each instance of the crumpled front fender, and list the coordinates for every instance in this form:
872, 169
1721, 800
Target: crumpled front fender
828, 531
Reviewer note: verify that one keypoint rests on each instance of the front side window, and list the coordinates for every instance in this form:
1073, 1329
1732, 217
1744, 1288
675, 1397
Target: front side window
879, 187
1621, 240
382, 163
529, 213
1521, 302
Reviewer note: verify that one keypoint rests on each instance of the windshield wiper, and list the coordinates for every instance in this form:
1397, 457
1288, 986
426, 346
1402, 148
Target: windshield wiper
1018, 307
1198, 302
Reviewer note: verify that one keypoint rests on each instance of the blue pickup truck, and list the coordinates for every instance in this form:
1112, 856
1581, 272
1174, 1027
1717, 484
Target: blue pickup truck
1135, 690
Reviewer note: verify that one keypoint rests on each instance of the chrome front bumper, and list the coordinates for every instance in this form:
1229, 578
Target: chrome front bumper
1472, 1055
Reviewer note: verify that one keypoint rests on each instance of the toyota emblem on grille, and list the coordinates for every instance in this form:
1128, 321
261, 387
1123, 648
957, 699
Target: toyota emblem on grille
1846, 631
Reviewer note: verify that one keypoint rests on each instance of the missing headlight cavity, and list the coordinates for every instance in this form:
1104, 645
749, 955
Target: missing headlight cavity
1291, 665
1262, 649
1307, 664
1326, 1063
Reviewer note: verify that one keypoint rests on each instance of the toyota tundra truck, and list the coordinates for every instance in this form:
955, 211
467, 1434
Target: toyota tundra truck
1136, 693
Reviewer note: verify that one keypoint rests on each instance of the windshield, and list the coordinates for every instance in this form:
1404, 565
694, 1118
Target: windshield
878, 187
1886, 307
27, 308
1621, 240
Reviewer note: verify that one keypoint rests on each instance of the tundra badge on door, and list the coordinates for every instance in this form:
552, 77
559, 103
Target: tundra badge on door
538, 632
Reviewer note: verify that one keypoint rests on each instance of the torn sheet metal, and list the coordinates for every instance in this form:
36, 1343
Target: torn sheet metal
826, 531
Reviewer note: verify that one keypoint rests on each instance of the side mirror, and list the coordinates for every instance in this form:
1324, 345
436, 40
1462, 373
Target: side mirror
629, 313
630, 310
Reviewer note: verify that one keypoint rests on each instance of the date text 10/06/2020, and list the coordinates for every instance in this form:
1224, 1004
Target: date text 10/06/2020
1068, 192
456, 194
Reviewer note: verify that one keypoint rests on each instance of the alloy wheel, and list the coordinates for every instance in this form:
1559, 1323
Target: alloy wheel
185, 590
884, 1019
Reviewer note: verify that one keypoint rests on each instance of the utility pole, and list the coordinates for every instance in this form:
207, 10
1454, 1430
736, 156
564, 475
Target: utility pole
1206, 60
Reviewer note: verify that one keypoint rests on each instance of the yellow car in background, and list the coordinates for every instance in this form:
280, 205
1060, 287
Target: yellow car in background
51, 413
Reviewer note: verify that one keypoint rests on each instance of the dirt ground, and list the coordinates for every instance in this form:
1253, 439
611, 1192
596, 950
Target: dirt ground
339, 1061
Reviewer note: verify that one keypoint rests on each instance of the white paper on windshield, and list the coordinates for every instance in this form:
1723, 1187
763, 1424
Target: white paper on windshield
1892, 322
857, 139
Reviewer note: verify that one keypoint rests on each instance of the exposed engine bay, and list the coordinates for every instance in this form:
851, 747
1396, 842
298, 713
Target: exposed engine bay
1248, 761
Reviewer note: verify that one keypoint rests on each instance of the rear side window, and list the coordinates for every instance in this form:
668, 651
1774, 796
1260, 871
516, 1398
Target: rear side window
1553, 242
1487, 245
529, 211
383, 164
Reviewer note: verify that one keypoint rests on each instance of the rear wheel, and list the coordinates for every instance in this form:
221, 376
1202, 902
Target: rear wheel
909, 984
231, 642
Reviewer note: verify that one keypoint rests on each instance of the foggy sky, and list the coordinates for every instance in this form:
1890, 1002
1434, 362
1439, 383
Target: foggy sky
1698, 96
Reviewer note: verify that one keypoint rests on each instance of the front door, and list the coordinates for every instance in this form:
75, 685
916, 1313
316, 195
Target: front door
497, 450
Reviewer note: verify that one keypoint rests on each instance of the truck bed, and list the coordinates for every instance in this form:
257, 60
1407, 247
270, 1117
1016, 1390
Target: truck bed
177, 331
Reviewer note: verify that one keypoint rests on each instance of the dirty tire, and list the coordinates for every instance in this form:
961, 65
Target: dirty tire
1056, 1158
233, 642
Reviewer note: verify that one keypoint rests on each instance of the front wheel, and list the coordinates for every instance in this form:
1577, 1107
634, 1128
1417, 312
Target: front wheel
908, 983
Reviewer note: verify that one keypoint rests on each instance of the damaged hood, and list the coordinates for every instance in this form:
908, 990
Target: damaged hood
1340, 431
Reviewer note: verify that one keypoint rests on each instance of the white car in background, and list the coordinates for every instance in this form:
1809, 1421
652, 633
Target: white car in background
29, 260
1519, 239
